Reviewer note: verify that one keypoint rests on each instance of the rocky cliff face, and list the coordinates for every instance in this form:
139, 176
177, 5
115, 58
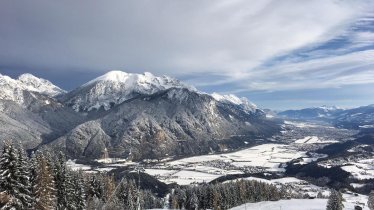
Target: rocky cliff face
176, 121
136, 116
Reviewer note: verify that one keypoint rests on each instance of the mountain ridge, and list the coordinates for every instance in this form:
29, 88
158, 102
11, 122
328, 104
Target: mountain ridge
138, 116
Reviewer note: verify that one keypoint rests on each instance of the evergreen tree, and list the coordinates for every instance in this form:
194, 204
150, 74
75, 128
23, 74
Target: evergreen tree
95, 187
109, 187
131, 197
59, 177
194, 201
24, 184
14, 180
70, 190
174, 202
335, 201
33, 164
65, 188
150, 201
8, 180
79, 194
44, 185
371, 200
216, 202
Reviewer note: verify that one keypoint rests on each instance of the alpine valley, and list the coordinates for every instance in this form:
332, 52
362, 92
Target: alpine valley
181, 138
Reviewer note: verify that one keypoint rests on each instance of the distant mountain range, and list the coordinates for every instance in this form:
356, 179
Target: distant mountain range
355, 118
130, 115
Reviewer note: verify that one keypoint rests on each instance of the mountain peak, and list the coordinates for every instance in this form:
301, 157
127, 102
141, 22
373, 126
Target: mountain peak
114, 75
12, 89
36, 84
233, 99
116, 86
27, 76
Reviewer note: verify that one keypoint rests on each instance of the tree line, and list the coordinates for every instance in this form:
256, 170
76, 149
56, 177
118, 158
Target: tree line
225, 195
44, 182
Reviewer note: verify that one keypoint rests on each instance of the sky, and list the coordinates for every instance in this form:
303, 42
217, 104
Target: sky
279, 54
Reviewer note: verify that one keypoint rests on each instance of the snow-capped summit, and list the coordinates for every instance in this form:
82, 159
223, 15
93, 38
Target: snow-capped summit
39, 85
116, 87
146, 80
12, 89
330, 108
233, 99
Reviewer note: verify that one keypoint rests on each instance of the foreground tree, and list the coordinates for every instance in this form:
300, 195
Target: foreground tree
24, 184
14, 180
335, 201
44, 185
79, 199
371, 200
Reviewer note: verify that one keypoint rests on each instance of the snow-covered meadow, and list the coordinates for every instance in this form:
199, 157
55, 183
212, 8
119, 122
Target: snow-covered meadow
314, 140
293, 204
205, 168
362, 169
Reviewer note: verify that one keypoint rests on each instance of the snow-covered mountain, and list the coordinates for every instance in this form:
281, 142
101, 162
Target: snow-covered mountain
43, 86
116, 87
233, 99
322, 112
355, 118
14, 89
176, 121
141, 114
360, 117
29, 113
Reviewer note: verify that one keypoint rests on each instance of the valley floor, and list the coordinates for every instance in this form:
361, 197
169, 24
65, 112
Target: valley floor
298, 142
293, 204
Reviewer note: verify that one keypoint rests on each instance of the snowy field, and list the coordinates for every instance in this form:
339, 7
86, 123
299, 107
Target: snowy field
363, 169
303, 187
293, 204
268, 156
188, 176
314, 140
75, 166
205, 168
301, 124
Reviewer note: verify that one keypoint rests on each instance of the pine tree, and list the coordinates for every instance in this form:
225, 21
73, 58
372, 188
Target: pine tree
44, 185
174, 202
70, 191
33, 174
65, 190
371, 200
8, 181
79, 194
194, 201
95, 187
109, 187
335, 201
131, 196
25, 193
14, 180
216, 202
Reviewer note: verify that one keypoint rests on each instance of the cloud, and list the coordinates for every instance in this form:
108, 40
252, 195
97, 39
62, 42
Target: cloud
331, 72
267, 50
165, 37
